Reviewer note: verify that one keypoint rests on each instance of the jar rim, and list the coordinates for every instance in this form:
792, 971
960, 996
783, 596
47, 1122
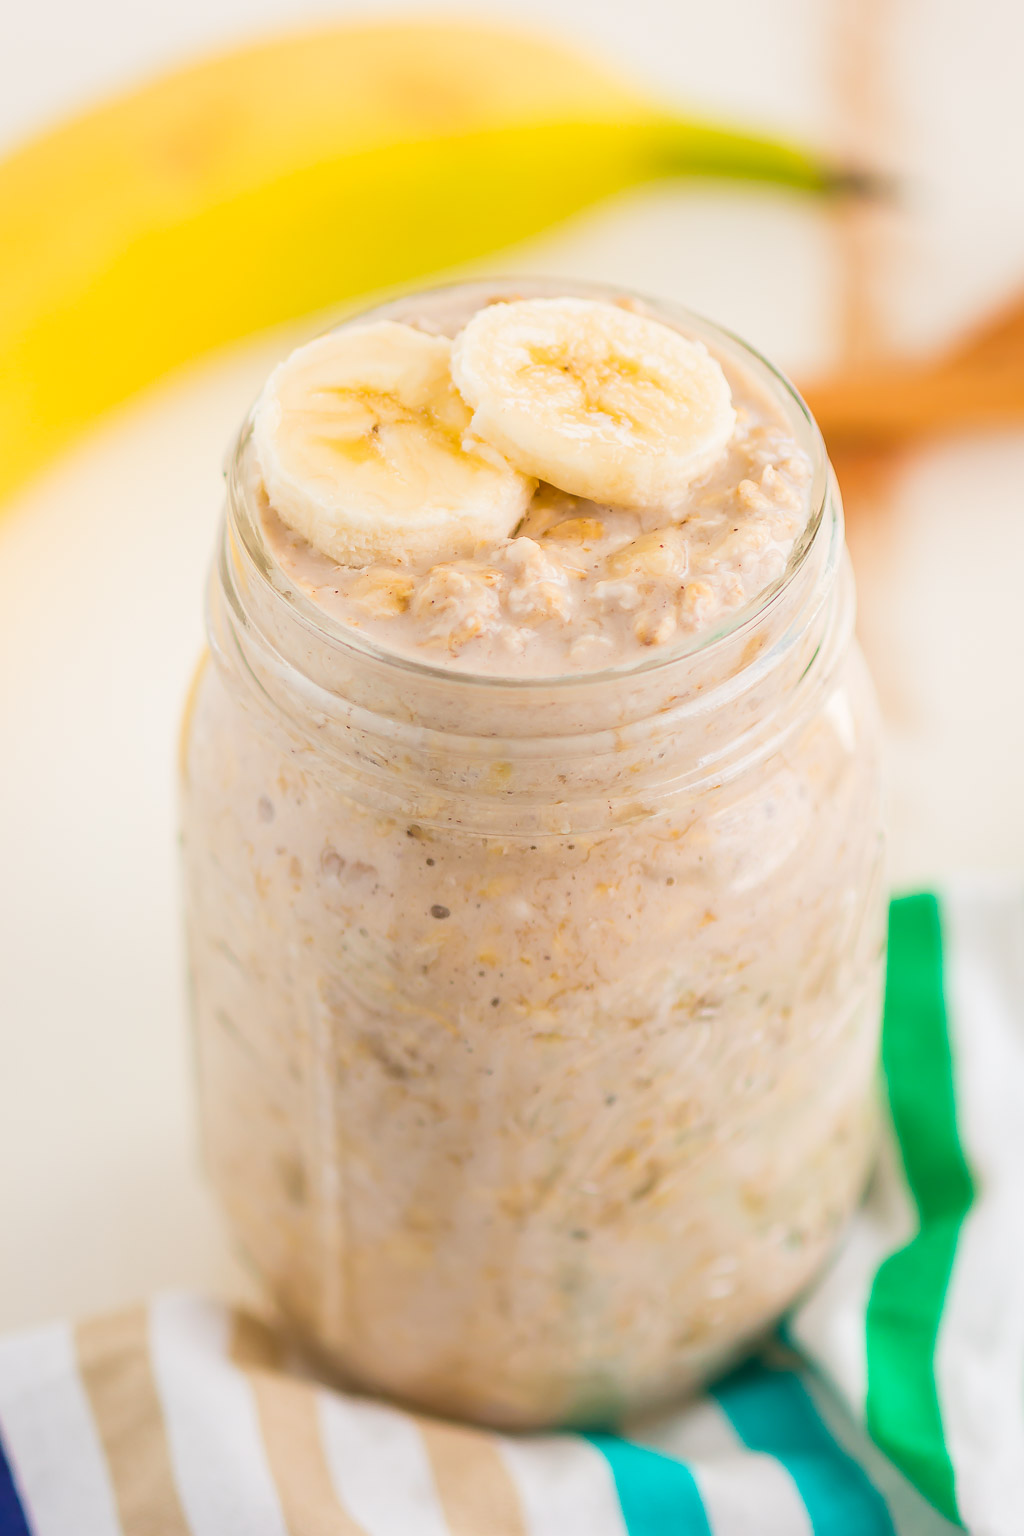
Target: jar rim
246, 525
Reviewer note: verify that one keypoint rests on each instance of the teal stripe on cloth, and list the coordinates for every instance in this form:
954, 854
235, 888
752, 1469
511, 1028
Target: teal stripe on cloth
772, 1413
658, 1496
905, 1307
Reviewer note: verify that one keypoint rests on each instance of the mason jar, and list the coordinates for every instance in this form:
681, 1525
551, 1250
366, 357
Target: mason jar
536, 1019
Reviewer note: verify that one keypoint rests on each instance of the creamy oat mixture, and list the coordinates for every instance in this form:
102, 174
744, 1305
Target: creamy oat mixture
536, 1056
580, 586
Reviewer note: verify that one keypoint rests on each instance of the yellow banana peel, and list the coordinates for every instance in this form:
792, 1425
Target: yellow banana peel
291, 175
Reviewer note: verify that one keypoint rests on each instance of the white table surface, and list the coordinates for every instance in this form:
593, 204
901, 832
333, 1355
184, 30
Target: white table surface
102, 561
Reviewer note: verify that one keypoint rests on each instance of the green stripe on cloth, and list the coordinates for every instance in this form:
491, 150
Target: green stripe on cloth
909, 1289
658, 1496
772, 1413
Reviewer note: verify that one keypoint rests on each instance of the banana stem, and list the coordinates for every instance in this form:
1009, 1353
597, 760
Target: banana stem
690, 148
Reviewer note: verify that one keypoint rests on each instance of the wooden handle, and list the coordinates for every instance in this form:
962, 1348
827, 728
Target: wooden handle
980, 385
892, 405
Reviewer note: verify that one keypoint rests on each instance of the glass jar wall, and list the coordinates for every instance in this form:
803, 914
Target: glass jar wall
536, 1018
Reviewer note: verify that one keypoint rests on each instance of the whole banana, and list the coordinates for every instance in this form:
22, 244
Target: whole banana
291, 175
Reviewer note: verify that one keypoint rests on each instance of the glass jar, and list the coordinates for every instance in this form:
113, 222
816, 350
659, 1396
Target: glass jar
536, 1020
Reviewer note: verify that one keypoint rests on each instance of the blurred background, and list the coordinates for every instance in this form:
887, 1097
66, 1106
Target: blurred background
103, 552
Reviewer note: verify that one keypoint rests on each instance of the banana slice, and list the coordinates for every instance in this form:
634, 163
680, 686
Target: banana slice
365, 450
600, 401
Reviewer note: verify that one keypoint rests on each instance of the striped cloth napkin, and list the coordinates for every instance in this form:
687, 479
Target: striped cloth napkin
893, 1402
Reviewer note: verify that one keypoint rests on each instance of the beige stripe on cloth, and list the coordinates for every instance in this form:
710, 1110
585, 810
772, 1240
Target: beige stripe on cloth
117, 1374
474, 1486
290, 1427
473, 1483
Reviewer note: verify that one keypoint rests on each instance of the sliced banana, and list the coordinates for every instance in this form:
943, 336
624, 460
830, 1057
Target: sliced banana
365, 450
600, 401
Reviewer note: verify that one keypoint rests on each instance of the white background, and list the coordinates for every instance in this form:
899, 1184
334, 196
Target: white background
102, 559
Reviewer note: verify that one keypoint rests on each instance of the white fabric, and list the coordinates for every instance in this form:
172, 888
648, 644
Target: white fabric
565, 1486
741, 1491
45, 1421
980, 1356
216, 1447
379, 1468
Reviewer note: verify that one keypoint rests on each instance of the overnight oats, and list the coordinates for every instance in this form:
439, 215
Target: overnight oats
533, 852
